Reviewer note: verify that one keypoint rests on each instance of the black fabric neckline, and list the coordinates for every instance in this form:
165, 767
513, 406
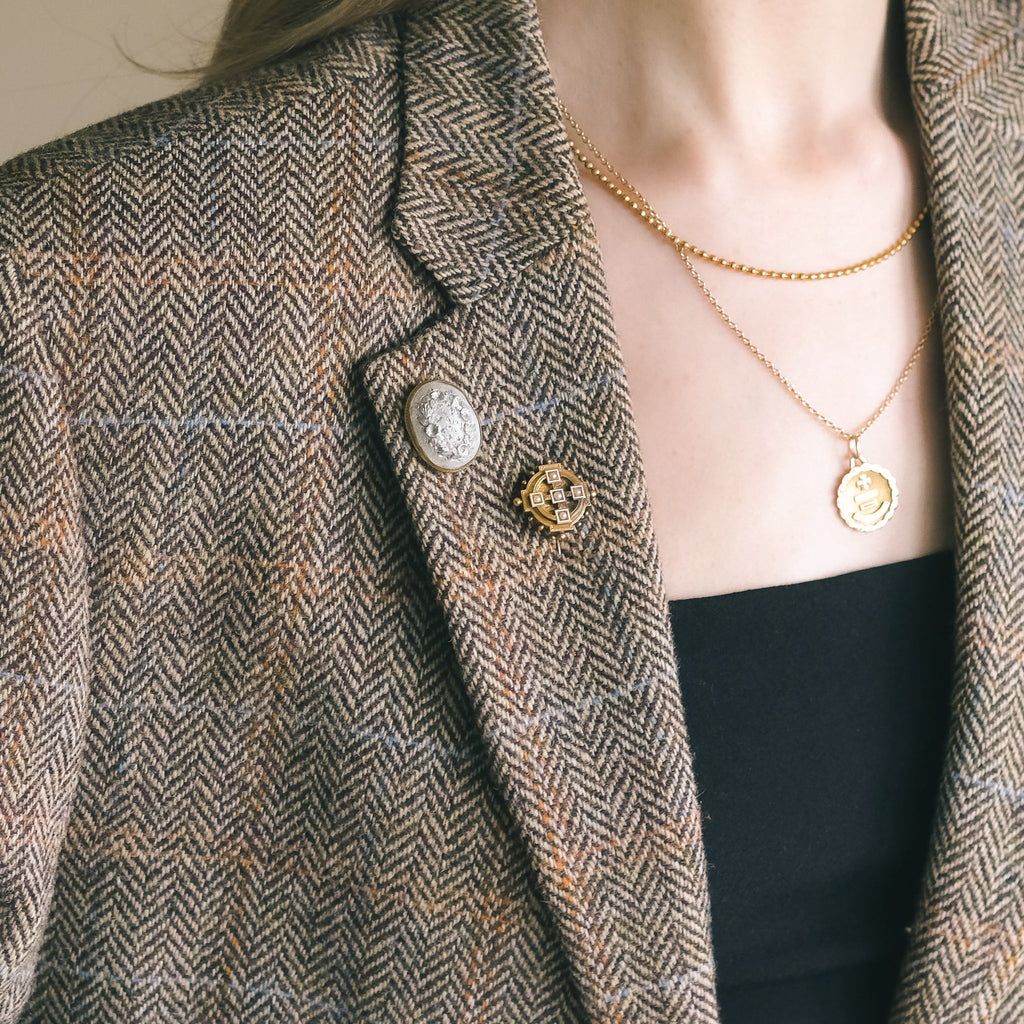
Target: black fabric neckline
943, 558
817, 714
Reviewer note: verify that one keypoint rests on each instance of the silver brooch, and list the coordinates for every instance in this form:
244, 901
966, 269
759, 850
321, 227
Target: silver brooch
442, 425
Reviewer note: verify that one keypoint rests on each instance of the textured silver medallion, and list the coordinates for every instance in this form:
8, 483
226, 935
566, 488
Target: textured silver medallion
442, 425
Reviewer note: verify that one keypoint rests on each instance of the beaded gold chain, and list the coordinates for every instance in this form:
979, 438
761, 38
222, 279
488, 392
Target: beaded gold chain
628, 193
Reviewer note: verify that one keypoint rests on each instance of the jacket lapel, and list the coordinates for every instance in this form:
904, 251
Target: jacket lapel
564, 645
565, 648
967, 66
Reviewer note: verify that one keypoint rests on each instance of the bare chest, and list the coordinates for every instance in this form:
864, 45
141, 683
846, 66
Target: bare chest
742, 477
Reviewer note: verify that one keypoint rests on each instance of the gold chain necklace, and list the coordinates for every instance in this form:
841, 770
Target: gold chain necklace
643, 209
867, 495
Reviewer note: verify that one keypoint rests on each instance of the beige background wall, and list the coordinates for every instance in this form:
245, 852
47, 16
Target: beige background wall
60, 68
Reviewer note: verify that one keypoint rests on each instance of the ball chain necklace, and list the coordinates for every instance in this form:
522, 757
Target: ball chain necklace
867, 495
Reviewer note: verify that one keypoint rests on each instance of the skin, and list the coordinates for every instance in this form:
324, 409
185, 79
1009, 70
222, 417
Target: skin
780, 134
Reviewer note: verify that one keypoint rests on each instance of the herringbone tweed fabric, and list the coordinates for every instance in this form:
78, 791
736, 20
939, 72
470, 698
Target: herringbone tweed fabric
295, 728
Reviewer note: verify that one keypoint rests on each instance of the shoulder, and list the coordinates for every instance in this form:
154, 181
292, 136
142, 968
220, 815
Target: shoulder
233, 161
257, 213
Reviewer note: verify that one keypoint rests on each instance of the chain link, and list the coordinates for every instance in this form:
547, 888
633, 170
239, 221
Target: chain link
846, 435
643, 209
639, 204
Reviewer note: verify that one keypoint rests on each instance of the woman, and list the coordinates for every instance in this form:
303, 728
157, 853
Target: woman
300, 726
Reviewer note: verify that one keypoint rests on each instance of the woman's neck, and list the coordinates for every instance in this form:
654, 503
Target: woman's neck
712, 80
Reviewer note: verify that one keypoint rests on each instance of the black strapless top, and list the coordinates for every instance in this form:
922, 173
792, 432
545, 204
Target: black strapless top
817, 714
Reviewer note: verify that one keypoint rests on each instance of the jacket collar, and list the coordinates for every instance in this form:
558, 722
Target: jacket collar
488, 182
567, 656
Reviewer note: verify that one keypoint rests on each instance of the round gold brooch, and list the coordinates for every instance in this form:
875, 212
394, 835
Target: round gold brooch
556, 497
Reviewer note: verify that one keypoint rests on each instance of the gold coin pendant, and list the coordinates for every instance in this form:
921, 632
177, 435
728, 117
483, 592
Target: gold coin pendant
867, 497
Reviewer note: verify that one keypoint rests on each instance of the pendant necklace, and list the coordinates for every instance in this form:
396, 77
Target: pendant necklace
867, 495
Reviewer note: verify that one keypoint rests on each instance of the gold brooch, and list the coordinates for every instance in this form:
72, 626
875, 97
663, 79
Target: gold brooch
556, 497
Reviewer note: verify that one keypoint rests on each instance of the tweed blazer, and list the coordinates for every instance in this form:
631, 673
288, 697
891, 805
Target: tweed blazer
296, 728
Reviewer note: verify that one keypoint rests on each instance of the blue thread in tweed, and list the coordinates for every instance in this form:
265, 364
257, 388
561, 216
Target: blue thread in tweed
199, 422
997, 789
47, 684
681, 980
180, 982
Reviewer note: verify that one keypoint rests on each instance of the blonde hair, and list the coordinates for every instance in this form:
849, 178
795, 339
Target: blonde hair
256, 32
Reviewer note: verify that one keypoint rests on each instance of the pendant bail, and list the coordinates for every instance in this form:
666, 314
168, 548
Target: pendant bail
855, 456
